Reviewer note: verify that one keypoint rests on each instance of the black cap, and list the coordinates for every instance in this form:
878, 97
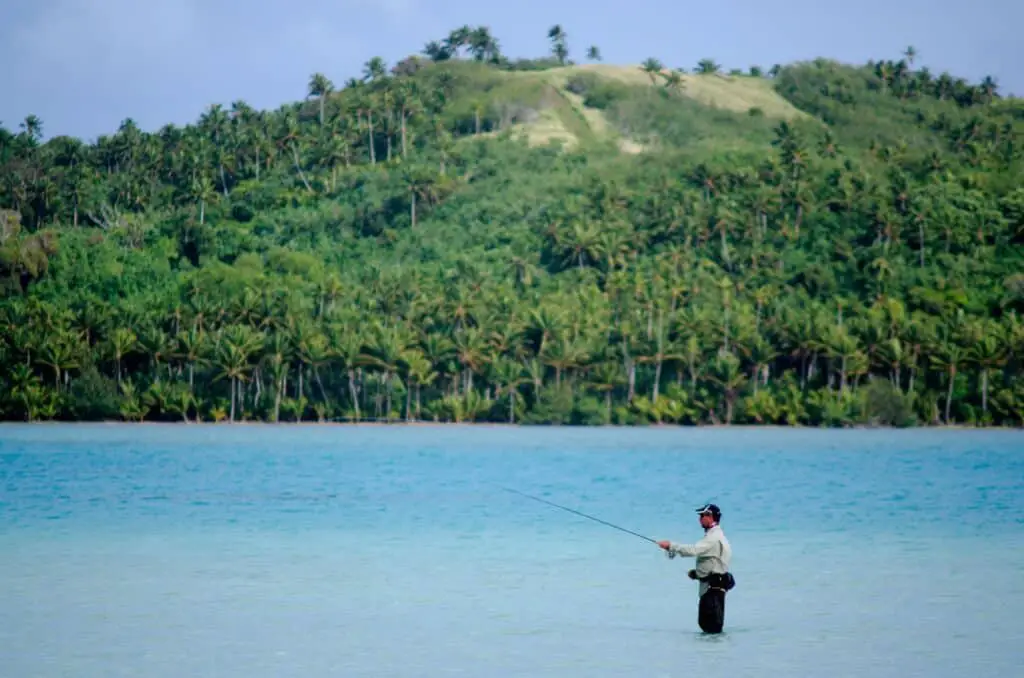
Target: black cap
715, 512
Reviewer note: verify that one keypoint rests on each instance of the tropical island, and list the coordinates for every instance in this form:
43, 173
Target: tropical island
466, 237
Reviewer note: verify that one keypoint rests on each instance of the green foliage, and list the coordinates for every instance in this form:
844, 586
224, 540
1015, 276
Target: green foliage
885, 405
386, 251
598, 92
658, 116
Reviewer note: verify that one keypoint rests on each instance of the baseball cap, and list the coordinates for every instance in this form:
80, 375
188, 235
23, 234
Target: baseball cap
711, 509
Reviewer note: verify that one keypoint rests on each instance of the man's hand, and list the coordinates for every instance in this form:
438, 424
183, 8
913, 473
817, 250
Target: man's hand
664, 544
692, 574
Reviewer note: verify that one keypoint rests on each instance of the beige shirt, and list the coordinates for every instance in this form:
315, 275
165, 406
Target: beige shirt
713, 554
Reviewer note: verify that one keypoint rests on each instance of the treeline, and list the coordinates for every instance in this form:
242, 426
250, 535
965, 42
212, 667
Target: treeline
374, 254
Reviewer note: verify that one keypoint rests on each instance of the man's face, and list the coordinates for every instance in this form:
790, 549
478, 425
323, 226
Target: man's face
706, 520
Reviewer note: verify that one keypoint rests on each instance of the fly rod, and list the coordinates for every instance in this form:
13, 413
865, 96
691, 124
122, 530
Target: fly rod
579, 513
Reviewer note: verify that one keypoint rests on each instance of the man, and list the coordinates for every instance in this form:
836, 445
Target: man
713, 555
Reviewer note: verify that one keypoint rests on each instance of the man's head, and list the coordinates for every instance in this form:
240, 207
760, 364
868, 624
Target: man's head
710, 515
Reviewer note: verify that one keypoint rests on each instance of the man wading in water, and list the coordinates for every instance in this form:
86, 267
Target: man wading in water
713, 555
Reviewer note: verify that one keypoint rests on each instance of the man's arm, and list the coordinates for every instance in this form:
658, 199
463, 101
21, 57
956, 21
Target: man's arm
703, 547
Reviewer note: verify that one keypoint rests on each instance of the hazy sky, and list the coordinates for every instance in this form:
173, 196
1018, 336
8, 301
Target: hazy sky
83, 66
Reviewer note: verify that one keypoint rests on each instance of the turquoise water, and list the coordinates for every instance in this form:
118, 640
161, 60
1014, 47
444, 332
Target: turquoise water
260, 551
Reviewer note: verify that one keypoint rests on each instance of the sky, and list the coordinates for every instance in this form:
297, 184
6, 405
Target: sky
83, 66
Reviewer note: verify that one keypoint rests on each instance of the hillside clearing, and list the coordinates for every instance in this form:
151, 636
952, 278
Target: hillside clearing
735, 93
566, 118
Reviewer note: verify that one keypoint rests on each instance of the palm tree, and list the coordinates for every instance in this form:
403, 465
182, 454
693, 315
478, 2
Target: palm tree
482, 45
235, 346
559, 46
652, 67
320, 86
436, 51
420, 373
202, 191
60, 353
191, 349
123, 341
385, 353
947, 357
32, 128
457, 39
375, 70
673, 81
708, 67
509, 375
730, 379
988, 351
989, 87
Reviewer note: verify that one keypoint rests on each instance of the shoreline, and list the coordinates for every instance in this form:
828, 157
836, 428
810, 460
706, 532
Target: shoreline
506, 425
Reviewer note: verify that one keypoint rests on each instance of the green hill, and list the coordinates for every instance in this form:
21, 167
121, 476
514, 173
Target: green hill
464, 237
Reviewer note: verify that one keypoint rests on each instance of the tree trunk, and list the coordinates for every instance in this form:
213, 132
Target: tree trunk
277, 399
298, 167
949, 394
369, 125
352, 392
408, 402
725, 246
403, 134
984, 390
657, 379
320, 384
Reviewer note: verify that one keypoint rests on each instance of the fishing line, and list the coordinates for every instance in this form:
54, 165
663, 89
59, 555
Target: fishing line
579, 513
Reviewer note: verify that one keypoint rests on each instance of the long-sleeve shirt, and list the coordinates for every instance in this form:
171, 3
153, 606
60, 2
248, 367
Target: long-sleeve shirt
713, 554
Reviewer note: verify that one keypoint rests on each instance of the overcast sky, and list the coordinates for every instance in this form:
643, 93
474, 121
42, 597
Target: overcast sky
83, 66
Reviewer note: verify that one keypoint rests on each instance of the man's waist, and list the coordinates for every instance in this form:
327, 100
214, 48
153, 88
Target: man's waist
722, 580
711, 575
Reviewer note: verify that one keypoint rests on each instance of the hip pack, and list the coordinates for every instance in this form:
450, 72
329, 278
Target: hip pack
716, 580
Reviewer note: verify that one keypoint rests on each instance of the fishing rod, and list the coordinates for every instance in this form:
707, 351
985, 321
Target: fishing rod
579, 513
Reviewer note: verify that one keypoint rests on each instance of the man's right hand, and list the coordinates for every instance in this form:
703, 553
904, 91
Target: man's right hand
665, 544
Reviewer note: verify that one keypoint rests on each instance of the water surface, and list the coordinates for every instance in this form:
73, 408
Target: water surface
281, 551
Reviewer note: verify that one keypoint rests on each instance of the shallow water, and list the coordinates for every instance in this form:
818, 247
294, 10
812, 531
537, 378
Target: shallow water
286, 551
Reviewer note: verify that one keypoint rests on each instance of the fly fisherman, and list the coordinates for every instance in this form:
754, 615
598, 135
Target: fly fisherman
713, 555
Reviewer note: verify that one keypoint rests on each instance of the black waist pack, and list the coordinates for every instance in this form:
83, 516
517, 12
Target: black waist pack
721, 581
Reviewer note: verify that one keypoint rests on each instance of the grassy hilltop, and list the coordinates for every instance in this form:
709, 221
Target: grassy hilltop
465, 237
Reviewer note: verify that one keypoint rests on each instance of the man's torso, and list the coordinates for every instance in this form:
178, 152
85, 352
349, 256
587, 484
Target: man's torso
717, 560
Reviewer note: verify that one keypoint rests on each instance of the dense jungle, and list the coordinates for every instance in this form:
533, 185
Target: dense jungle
466, 237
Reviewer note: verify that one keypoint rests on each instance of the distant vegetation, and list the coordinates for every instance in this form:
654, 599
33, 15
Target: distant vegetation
466, 237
